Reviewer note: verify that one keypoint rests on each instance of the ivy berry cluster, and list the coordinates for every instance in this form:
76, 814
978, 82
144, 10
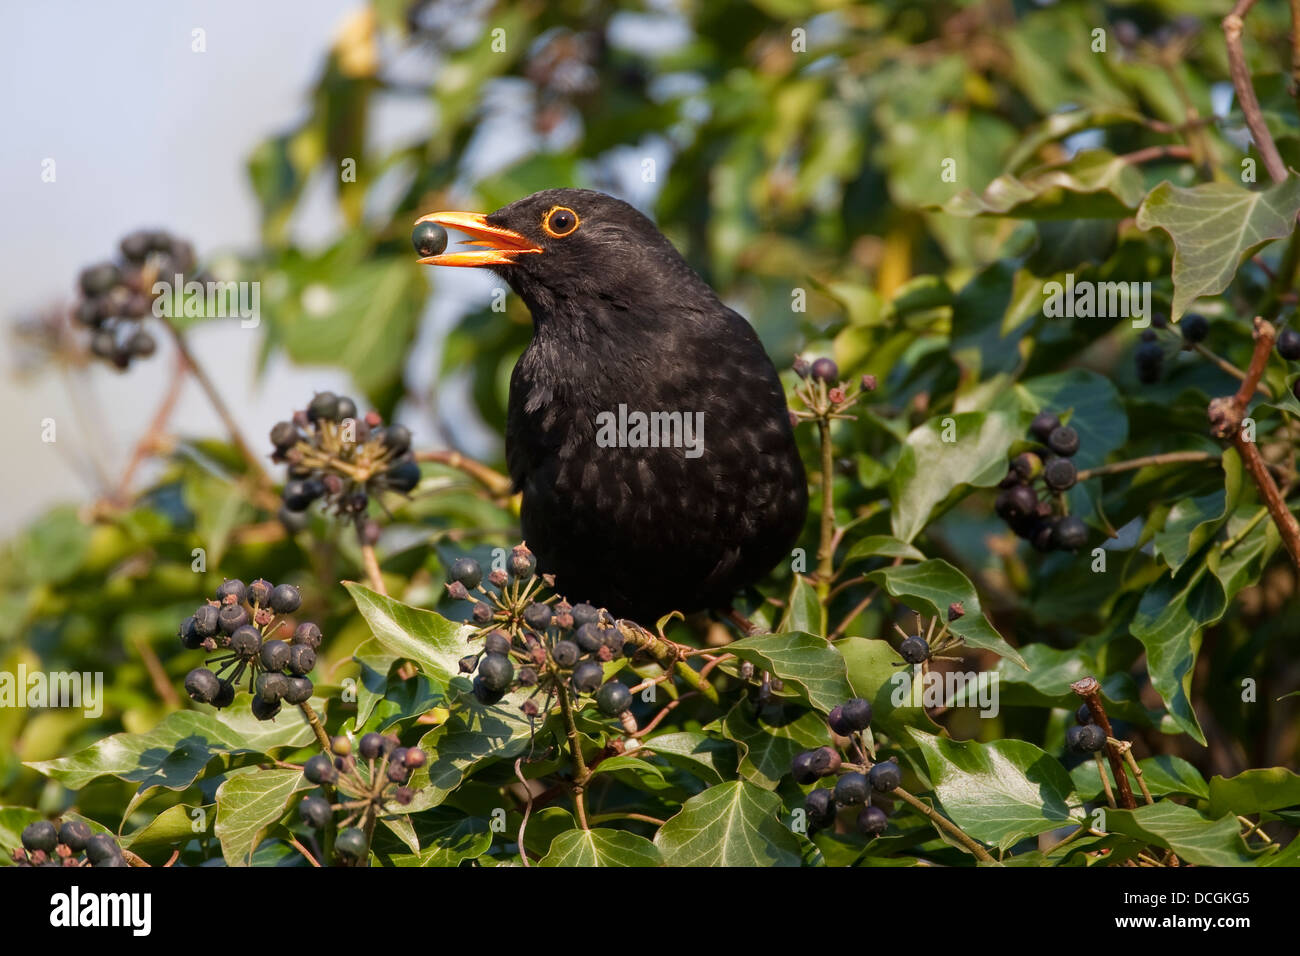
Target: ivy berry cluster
71, 843
825, 396
241, 626
117, 295
385, 780
1031, 501
343, 459
1149, 356
860, 781
531, 641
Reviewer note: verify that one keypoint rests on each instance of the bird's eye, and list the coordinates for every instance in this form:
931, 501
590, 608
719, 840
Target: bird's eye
560, 222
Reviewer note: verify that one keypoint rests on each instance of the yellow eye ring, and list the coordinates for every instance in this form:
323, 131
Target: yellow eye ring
560, 221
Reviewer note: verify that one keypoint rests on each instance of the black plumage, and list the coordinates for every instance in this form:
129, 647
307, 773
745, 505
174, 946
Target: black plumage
620, 319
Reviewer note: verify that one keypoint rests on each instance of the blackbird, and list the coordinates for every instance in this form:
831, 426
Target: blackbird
647, 428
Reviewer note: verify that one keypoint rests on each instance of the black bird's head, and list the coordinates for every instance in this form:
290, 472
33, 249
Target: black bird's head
561, 249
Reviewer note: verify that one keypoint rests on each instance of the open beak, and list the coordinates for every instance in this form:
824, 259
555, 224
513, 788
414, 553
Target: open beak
500, 246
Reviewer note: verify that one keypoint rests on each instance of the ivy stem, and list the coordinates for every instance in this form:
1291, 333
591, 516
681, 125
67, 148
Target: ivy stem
1240, 72
1126, 748
218, 405
1090, 690
943, 823
372, 568
580, 772
1132, 464
497, 484
317, 728
528, 809
1105, 780
826, 549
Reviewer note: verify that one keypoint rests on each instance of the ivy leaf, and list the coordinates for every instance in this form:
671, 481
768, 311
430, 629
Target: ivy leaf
732, 824
803, 660
803, 611
930, 469
1095, 184
882, 546
601, 847
173, 826
1000, 792
1254, 791
174, 753
876, 673
1195, 838
425, 637
929, 587
706, 757
1165, 775
445, 837
1215, 227
472, 736
766, 748
248, 804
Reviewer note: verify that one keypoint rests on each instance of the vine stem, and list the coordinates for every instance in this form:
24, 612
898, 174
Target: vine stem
218, 404
826, 549
152, 436
943, 823
1240, 72
372, 568
496, 483
317, 728
528, 809
1132, 464
1090, 690
1226, 414
580, 772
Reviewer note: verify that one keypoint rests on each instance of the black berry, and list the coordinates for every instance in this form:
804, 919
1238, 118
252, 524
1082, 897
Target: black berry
1015, 503
285, 599
350, 844
231, 587
497, 642
852, 788
40, 835
1085, 738
885, 777
270, 686
225, 694
1288, 344
872, 821
819, 809
824, 761
465, 571
207, 621
587, 677
320, 769
1043, 425
914, 649
202, 685
284, 435
1196, 327
315, 812
259, 592
232, 617
397, 438
101, 847
522, 564
301, 659
246, 642
403, 476
485, 695
589, 637
263, 709
857, 712
346, 409
299, 690
613, 698
307, 634
191, 639
74, 834
371, 746
802, 768
429, 239
584, 614
565, 653
324, 407
1064, 441
275, 655
826, 370
1069, 534
1083, 715
495, 672
538, 616
1060, 474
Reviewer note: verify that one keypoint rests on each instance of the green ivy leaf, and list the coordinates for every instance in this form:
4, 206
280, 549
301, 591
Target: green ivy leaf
732, 824
803, 610
767, 749
706, 757
882, 546
802, 660
601, 847
874, 670
248, 804
1254, 791
930, 469
1095, 184
1000, 792
174, 826
1195, 838
446, 837
1165, 775
425, 637
1215, 227
929, 587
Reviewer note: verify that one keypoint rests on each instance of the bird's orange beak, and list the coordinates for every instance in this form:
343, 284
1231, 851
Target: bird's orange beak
500, 245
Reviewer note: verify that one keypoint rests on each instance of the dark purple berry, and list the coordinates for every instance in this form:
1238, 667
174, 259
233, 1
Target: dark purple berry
202, 685
885, 777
